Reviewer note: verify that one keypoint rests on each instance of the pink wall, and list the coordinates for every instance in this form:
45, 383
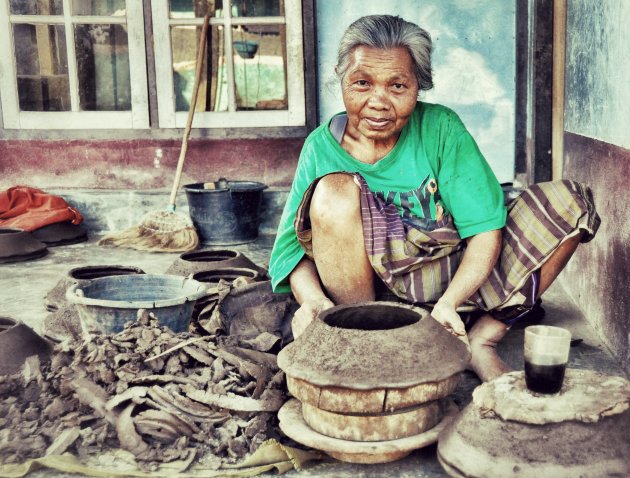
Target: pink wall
602, 292
129, 164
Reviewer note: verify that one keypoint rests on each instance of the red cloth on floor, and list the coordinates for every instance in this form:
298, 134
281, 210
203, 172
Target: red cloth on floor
28, 208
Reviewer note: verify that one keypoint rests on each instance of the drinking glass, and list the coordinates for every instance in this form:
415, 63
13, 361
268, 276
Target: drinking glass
546, 357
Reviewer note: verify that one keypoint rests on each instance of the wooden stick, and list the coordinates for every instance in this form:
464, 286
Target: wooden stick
176, 347
191, 112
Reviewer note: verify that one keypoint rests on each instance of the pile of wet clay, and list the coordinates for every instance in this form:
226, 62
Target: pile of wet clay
159, 395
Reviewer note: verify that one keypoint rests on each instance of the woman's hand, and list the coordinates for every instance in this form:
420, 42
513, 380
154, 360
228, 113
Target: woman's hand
480, 256
306, 313
446, 315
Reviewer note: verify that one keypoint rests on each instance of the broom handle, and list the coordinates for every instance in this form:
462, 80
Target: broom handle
191, 112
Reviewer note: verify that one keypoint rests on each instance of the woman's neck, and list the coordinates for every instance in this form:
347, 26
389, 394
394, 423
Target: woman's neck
364, 149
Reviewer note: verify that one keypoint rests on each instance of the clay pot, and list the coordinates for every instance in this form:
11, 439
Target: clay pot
56, 298
60, 234
63, 324
369, 378
254, 308
18, 342
208, 260
213, 277
17, 245
384, 355
228, 274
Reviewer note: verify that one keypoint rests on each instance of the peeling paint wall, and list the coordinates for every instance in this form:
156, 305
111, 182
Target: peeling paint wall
597, 152
135, 164
597, 102
473, 62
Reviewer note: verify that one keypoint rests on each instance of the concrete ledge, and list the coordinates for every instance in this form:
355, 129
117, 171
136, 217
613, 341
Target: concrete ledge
106, 210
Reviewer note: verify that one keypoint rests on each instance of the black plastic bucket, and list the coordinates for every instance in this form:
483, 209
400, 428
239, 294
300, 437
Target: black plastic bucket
225, 212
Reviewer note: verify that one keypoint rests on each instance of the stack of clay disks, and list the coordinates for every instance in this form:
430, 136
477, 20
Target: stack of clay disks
509, 431
371, 381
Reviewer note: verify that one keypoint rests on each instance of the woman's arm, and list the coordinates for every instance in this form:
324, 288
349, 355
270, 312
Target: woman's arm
480, 256
309, 293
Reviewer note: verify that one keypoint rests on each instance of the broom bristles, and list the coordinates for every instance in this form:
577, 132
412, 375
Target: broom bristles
159, 231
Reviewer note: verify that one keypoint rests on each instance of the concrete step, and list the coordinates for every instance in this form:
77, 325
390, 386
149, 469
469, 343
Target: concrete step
107, 210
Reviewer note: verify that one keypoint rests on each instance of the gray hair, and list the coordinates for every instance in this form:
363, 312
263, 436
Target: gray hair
387, 32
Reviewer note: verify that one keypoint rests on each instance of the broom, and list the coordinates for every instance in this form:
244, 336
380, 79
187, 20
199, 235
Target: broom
166, 231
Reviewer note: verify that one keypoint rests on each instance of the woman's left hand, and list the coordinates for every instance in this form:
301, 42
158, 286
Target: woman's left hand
450, 320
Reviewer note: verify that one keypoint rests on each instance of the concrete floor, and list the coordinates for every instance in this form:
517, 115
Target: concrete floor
24, 285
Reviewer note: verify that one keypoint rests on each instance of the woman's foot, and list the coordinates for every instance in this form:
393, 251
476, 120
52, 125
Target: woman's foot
484, 336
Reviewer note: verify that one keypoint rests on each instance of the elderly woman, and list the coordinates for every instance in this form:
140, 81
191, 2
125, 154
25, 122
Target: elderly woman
392, 200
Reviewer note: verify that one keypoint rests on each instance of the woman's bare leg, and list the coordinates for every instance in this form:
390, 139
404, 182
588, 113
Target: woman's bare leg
487, 332
484, 336
557, 261
338, 248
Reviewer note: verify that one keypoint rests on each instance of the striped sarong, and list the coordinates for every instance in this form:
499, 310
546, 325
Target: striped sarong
418, 265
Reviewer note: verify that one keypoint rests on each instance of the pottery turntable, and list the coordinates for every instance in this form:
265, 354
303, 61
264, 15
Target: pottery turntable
371, 381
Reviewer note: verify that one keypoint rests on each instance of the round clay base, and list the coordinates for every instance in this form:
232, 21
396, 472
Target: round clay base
450, 471
293, 425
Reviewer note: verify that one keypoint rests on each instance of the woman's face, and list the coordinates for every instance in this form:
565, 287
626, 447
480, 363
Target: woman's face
380, 91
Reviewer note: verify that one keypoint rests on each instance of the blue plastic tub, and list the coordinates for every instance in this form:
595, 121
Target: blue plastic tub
107, 303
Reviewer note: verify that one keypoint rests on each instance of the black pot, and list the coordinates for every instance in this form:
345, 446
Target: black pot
225, 212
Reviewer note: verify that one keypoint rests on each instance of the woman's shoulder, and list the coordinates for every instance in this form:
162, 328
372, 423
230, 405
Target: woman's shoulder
320, 135
437, 117
436, 111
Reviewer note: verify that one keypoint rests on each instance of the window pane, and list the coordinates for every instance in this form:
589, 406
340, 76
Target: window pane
260, 67
258, 8
36, 7
99, 7
103, 67
42, 67
195, 8
212, 94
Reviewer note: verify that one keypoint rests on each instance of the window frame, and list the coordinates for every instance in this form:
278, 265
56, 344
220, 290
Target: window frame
14, 118
294, 115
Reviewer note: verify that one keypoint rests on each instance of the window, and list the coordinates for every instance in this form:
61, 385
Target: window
73, 64
81, 64
253, 74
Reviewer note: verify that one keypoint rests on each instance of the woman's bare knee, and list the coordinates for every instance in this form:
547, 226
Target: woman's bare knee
335, 202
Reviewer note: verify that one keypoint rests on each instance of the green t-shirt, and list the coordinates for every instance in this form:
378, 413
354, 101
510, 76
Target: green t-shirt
434, 169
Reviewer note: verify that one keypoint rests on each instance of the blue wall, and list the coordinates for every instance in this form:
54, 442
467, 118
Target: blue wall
473, 61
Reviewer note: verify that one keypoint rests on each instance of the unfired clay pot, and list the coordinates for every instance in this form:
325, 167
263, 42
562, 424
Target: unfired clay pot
370, 379
18, 342
17, 245
385, 356
211, 259
60, 234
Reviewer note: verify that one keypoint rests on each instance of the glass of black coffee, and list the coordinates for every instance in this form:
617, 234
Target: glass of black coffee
546, 356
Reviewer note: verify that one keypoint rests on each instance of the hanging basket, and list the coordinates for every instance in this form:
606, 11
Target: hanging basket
246, 49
